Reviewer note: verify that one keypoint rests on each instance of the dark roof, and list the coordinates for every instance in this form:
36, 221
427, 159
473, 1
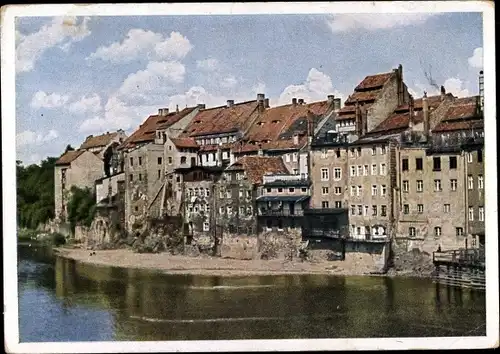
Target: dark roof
284, 198
98, 141
68, 157
288, 183
210, 169
257, 166
326, 211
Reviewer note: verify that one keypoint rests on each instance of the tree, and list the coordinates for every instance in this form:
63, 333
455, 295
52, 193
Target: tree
81, 207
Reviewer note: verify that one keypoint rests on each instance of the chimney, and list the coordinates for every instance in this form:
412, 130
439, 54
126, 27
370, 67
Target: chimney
336, 104
481, 91
425, 109
358, 119
399, 83
260, 152
331, 99
266, 103
162, 112
201, 105
296, 139
364, 119
260, 101
177, 108
219, 156
443, 92
301, 101
411, 112
230, 103
294, 101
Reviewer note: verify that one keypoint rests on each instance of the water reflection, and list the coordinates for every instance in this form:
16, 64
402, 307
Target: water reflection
153, 306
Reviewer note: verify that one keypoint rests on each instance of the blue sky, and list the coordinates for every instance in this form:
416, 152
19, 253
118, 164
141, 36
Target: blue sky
77, 76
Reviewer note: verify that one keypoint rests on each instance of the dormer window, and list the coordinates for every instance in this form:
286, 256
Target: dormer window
260, 123
197, 121
275, 121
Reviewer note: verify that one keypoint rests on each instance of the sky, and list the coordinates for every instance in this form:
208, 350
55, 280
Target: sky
77, 76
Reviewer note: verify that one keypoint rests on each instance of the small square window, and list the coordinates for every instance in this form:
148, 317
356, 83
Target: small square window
324, 204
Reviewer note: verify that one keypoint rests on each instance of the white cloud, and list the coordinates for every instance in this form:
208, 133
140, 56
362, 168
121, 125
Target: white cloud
317, 87
371, 22
86, 104
194, 96
209, 64
43, 100
229, 82
476, 60
147, 44
29, 137
151, 83
62, 31
452, 85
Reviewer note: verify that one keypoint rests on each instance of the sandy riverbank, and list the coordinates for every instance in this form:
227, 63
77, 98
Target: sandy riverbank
205, 265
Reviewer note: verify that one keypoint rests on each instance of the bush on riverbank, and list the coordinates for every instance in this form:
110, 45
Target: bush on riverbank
81, 207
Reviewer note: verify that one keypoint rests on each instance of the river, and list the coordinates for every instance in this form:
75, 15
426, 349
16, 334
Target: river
63, 300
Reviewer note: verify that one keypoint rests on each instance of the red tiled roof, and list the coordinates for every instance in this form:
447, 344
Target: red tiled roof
462, 108
221, 119
274, 121
362, 96
98, 141
281, 144
432, 101
257, 166
214, 147
373, 81
447, 126
349, 112
68, 157
185, 142
146, 131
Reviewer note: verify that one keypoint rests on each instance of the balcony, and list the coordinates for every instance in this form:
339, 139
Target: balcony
280, 212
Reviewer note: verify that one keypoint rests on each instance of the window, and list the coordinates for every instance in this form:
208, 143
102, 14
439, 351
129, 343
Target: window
337, 173
131, 161
420, 186
383, 150
338, 190
406, 186
221, 210
221, 193
374, 210
159, 174
453, 162
366, 210
131, 177
480, 182
382, 169
229, 210
249, 210
304, 190
206, 226
269, 224
294, 157
280, 190
374, 170
353, 191
480, 155
470, 181
323, 154
338, 204
249, 194
383, 210
324, 190
419, 164
360, 210
436, 164
358, 152
406, 209
353, 171
140, 161
140, 177
437, 231
291, 190
183, 159
295, 171
405, 165
481, 213
374, 190
374, 150
360, 170
460, 231
453, 184
471, 213
420, 208
358, 230
352, 153
383, 190
337, 153
353, 210
242, 210
324, 174
196, 209
469, 157
412, 231
446, 208
324, 204
365, 170
170, 147
170, 160
437, 185
240, 193
359, 191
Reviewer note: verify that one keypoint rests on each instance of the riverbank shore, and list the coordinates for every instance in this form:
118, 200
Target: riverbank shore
215, 266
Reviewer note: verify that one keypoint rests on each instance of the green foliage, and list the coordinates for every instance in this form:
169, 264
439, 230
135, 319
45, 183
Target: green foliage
81, 207
57, 239
35, 193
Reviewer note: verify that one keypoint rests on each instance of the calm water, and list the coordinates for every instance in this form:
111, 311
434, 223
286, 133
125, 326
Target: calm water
62, 300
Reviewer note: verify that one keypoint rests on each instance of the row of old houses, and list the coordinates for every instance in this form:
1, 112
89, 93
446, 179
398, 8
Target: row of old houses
382, 166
